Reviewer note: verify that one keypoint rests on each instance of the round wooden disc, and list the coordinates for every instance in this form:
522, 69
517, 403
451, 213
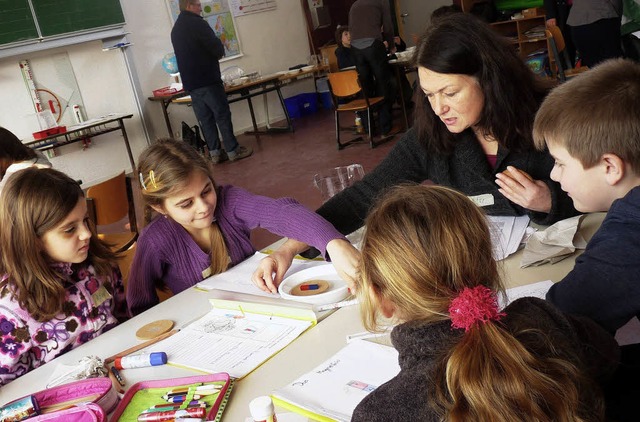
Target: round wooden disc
323, 286
154, 329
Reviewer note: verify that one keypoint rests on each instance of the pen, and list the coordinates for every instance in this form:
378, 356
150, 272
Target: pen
116, 374
337, 305
193, 403
196, 396
206, 387
167, 407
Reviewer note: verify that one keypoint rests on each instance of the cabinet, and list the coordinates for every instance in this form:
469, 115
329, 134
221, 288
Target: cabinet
527, 35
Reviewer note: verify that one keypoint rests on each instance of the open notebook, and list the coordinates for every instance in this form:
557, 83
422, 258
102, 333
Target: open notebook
332, 390
235, 337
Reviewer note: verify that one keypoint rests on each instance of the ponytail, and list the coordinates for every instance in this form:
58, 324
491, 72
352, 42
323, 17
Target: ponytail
490, 375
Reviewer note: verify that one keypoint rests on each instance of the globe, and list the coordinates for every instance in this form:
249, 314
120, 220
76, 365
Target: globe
169, 63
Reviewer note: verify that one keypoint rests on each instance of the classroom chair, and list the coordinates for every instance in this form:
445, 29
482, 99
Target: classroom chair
564, 66
345, 85
111, 202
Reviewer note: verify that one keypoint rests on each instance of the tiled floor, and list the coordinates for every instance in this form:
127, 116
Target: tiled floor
284, 164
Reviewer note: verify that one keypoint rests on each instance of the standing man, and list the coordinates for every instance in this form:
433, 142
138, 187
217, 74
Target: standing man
366, 17
198, 52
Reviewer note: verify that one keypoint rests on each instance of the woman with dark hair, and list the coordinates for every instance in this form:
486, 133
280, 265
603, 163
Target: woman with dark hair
14, 156
473, 118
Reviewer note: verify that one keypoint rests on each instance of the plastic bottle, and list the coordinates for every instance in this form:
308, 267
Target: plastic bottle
359, 128
141, 361
262, 409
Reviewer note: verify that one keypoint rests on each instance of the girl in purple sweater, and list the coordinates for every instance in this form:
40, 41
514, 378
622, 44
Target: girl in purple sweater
203, 229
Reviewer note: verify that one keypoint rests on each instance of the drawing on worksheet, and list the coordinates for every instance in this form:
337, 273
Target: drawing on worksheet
218, 15
244, 7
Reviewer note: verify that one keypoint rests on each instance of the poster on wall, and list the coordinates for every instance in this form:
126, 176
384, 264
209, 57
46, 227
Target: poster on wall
218, 14
244, 7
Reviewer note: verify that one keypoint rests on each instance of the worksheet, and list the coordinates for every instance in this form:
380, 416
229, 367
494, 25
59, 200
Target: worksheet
230, 341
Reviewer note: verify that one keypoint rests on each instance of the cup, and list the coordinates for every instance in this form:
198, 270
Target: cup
337, 179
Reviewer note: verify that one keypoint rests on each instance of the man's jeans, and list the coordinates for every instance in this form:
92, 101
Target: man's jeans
212, 111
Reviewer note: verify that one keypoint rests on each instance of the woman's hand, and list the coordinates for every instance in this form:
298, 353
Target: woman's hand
520, 188
271, 269
345, 258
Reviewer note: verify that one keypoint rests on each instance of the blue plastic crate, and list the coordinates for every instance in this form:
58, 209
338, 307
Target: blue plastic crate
308, 103
325, 98
293, 106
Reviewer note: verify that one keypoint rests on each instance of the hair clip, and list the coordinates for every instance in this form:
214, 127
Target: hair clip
152, 178
144, 186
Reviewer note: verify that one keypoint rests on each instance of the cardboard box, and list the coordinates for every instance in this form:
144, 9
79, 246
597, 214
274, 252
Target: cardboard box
533, 12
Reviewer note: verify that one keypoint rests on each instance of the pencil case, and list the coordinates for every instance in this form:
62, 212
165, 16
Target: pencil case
87, 400
146, 394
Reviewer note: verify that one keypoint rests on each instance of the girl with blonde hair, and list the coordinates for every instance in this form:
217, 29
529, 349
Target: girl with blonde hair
427, 263
59, 285
203, 229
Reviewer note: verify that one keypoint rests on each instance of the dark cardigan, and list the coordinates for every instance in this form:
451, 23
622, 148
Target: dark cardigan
466, 170
421, 346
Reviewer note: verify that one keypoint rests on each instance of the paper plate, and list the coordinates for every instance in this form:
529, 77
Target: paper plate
337, 291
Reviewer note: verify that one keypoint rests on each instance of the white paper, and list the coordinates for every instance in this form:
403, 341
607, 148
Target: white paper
335, 388
238, 278
538, 290
506, 234
229, 341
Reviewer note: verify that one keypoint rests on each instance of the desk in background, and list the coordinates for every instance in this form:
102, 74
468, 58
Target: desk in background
246, 91
305, 353
401, 68
83, 131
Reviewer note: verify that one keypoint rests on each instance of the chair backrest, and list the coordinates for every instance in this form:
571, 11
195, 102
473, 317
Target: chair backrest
329, 53
557, 36
345, 83
111, 201
561, 65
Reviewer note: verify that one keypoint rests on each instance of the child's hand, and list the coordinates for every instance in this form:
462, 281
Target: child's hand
271, 269
518, 187
345, 258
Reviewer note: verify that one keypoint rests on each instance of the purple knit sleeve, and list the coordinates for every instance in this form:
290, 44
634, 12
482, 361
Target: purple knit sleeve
146, 269
284, 217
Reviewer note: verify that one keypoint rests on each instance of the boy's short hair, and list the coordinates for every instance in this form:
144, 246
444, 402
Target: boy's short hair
595, 113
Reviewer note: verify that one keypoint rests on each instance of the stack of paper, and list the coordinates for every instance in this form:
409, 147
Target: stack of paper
506, 234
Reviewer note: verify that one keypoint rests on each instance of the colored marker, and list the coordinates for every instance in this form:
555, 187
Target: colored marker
181, 391
168, 407
116, 374
309, 287
175, 399
172, 414
191, 403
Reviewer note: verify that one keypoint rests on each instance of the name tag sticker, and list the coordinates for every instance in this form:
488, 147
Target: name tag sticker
100, 296
483, 200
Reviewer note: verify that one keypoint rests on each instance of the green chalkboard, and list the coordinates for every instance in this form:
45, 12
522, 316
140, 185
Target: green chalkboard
55, 17
60, 17
16, 21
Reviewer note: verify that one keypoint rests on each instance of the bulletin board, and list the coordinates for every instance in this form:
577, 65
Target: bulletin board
218, 14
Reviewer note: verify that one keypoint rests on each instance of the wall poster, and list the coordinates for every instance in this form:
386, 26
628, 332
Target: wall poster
218, 14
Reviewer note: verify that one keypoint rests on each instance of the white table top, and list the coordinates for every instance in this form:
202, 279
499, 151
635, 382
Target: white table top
305, 353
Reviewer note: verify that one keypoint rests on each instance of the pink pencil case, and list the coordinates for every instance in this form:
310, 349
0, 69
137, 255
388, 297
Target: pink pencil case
144, 394
88, 400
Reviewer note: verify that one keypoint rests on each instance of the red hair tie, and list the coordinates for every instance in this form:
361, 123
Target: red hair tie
477, 304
